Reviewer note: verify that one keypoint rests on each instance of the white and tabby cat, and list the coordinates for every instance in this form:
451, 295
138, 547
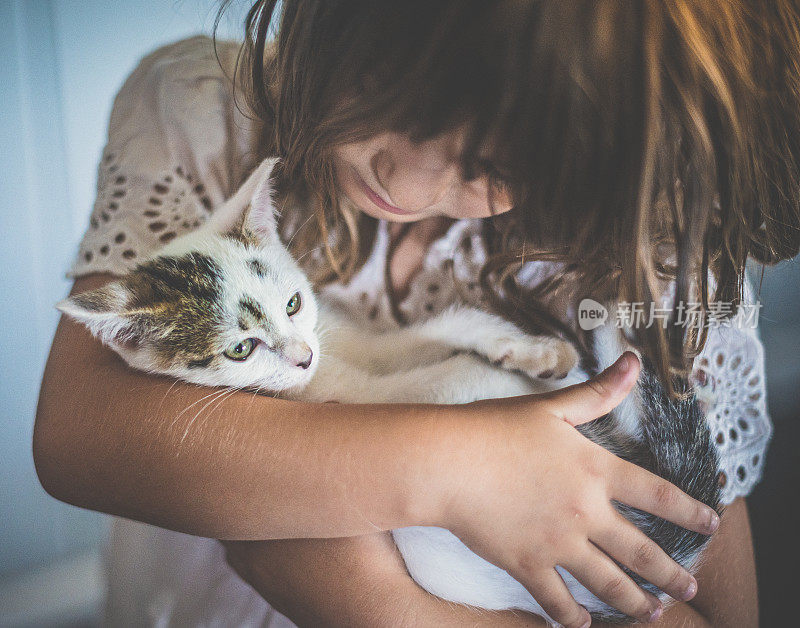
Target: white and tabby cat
228, 306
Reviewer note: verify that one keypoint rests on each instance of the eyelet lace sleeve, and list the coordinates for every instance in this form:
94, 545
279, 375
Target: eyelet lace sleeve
177, 146
729, 380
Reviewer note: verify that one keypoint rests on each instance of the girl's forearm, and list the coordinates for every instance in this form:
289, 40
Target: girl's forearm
677, 616
236, 467
727, 594
356, 581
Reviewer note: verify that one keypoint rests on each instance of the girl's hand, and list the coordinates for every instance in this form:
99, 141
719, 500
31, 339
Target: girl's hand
538, 494
354, 581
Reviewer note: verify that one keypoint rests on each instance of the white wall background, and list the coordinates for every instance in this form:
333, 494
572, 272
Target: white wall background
63, 61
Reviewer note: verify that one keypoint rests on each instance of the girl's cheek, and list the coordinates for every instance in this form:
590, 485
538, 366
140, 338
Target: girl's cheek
347, 185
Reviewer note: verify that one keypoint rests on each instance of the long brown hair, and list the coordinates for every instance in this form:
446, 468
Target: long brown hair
643, 141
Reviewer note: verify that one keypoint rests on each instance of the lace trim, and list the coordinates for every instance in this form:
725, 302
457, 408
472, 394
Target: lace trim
131, 219
729, 379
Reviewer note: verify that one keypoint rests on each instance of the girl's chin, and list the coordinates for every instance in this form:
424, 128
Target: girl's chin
351, 187
384, 215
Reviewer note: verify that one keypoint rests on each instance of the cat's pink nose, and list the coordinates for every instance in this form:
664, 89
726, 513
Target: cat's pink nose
298, 354
307, 361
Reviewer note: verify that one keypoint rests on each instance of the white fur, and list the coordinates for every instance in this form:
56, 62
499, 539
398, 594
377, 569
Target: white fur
267, 368
460, 356
609, 344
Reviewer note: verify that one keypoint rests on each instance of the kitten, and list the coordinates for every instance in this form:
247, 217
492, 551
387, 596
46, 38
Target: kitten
228, 306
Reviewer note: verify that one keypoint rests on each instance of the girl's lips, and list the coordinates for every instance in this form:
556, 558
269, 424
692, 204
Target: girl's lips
373, 196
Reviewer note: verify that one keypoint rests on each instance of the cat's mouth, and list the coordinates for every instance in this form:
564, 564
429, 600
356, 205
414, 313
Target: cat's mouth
298, 355
299, 378
300, 366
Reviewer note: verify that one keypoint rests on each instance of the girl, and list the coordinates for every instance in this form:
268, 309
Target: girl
521, 155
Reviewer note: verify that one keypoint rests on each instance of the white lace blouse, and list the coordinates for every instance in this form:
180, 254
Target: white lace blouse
177, 146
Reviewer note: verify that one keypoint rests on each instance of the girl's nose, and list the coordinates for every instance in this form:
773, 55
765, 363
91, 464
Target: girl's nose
413, 180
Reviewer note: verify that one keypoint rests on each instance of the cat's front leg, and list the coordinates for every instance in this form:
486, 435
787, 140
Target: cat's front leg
459, 329
379, 352
462, 378
501, 342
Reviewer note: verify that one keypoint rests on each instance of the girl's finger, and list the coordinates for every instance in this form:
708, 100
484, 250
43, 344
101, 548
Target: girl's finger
554, 597
629, 546
646, 491
601, 575
581, 403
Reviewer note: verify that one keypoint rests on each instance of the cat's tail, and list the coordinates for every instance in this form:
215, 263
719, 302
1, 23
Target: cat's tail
676, 445
668, 437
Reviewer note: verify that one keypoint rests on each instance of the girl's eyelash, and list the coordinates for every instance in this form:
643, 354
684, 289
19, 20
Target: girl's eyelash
499, 179
486, 167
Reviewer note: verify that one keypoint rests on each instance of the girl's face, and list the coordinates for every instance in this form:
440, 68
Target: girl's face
389, 176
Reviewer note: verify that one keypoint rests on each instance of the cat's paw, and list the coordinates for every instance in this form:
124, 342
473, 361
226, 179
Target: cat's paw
539, 357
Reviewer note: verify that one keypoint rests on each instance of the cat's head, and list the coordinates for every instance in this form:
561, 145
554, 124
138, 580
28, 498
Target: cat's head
226, 305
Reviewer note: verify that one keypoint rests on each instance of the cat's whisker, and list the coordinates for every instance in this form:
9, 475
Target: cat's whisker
166, 394
220, 396
191, 405
317, 248
213, 405
254, 394
327, 331
296, 231
219, 400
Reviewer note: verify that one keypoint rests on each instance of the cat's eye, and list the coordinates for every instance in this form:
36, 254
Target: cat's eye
293, 306
240, 351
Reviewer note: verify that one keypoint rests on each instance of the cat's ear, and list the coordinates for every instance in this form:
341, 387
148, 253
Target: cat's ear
260, 217
104, 311
251, 207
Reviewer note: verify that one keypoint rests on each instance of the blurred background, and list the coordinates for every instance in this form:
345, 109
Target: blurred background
62, 64
63, 61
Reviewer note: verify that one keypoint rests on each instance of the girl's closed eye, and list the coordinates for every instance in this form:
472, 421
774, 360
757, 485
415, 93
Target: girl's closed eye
499, 176
491, 169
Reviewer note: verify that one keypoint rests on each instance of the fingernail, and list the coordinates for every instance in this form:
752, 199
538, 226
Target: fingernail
587, 623
655, 614
690, 591
713, 522
623, 364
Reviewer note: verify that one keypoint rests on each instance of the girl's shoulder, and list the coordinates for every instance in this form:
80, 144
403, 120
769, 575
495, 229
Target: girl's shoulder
179, 142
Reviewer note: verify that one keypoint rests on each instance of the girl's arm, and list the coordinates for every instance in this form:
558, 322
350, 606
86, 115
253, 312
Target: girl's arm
355, 581
252, 467
241, 466
728, 592
363, 581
